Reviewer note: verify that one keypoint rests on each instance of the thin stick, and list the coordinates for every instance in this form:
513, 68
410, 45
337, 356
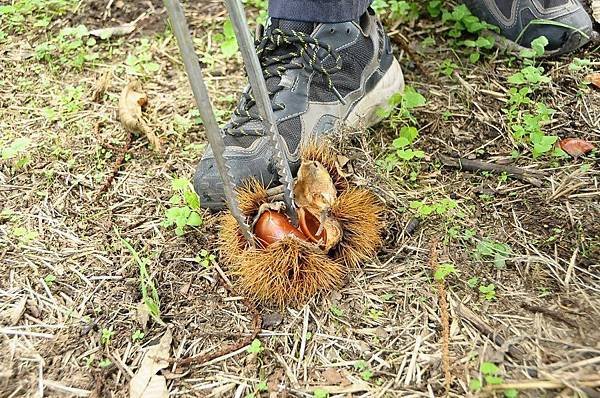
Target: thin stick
552, 314
445, 317
528, 176
116, 165
542, 384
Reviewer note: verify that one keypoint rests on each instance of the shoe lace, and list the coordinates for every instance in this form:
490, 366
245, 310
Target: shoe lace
303, 55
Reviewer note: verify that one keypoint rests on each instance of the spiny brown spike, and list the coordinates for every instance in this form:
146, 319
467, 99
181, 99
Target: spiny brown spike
287, 272
361, 216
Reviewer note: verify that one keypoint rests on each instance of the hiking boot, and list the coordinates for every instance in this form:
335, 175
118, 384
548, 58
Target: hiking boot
565, 23
318, 75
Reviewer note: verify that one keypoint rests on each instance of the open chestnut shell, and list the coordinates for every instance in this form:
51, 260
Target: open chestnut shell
272, 227
309, 225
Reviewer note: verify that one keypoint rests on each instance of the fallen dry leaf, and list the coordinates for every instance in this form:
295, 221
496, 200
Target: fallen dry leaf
113, 31
146, 383
130, 112
575, 146
14, 313
596, 10
334, 377
593, 79
333, 231
101, 85
314, 189
142, 315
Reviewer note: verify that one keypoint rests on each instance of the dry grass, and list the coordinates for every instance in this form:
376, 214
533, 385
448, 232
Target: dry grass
66, 277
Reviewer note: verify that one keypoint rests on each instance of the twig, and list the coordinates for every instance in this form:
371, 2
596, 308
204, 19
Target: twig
552, 314
543, 384
445, 317
528, 176
487, 330
228, 349
116, 165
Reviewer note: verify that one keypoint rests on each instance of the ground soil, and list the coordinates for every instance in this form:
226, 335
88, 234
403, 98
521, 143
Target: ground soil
73, 280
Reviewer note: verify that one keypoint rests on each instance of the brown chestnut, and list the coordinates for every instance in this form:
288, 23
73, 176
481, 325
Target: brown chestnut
272, 226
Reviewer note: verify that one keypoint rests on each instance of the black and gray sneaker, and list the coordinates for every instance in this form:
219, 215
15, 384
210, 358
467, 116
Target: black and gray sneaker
318, 75
565, 23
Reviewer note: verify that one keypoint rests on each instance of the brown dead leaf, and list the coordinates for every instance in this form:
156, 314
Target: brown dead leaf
593, 79
113, 31
101, 86
333, 377
146, 383
13, 314
314, 188
341, 163
142, 315
575, 147
131, 102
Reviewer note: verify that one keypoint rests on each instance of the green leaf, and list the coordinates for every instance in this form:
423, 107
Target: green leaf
475, 385
493, 380
539, 45
191, 198
194, 220
335, 310
320, 393
443, 270
262, 386
400, 142
412, 99
410, 133
511, 393
474, 57
473, 282
229, 48
15, 148
489, 368
255, 347
180, 184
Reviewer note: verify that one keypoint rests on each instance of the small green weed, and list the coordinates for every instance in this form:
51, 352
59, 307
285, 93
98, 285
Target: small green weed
50, 279
490, 373
488, 291
24, 235
141, 62
106, 335
255, 347
137, 336
20, 15
147, 288
105, 363
261, 5
526, 117
16, 151
363, 368
72, 47
489, 250
442, 207
227, 41
464, 23
320, 393
186, 207
375, 314
205, 259
443, 270
336, 311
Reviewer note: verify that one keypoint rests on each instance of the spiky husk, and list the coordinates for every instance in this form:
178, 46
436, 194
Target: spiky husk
361, 216
287, 272
291, 271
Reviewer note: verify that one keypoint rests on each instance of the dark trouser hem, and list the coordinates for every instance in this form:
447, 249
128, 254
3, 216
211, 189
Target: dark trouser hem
325, 11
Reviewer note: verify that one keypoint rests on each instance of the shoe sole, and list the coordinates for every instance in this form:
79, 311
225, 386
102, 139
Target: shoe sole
365, 113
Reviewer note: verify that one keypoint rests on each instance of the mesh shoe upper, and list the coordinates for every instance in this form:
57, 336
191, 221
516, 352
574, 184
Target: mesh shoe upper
316, 74
565, 23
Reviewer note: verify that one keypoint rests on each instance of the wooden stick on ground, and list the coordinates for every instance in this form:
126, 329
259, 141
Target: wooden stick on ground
444, 316
531, 177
